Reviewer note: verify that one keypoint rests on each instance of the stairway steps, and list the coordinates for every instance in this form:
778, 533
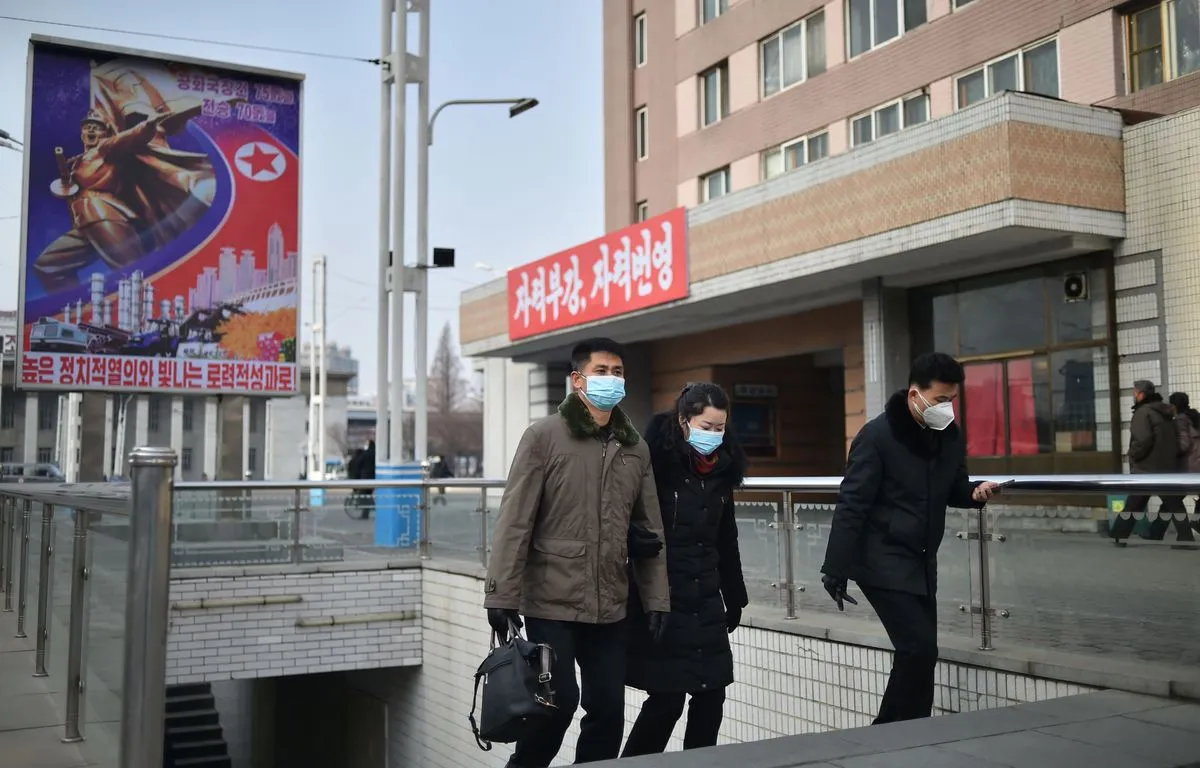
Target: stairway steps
192, 736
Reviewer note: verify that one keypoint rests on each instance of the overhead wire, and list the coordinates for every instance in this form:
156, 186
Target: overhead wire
203, 41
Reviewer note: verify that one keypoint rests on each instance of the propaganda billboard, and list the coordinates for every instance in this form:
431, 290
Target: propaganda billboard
161, 227
633, 268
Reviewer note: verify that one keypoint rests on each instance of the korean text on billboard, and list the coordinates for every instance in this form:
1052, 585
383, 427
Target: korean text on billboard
634, 268
161, 226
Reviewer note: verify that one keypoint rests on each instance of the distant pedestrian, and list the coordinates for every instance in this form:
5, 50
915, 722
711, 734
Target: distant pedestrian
905, 467
1187, 429
698, 463
1153, 449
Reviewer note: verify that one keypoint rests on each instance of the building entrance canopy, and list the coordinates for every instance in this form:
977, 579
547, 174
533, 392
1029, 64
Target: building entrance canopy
1015, 180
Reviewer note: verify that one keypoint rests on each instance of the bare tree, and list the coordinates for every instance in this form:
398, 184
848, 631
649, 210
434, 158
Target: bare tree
455, 417
448, 387
336, 434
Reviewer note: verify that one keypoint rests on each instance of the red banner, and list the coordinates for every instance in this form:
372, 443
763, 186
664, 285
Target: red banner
65, 371
633, 268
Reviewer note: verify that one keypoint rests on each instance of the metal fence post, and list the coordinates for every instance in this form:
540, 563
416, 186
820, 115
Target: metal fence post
10, 527
789, 565
147, 597
5, 504
26, 522
297, 541
425, 548
45, 575
76, 632
483, 526
985, 582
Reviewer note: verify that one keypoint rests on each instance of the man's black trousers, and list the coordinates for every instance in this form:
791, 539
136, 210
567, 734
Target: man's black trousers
911, 624
599, 649
1171, 511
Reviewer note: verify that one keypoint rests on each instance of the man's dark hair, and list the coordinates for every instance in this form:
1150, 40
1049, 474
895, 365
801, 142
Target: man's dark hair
581, 355
935, 366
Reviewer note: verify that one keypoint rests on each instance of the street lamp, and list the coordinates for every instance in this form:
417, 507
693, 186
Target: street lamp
8, 141
516, 106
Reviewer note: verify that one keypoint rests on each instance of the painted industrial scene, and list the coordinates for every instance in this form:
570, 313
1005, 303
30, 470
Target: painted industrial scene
197, 326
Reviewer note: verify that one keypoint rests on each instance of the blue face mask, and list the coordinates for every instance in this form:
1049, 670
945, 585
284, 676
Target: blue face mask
605, 392
705, 442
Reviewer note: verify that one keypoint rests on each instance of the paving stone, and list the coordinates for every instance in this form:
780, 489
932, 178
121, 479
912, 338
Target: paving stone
1030, 749
918, 757
1090, 706
1135, 738
1183, 716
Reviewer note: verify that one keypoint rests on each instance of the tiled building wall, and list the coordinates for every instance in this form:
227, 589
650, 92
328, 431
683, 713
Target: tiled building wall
1158, 264
787, 685
241, 642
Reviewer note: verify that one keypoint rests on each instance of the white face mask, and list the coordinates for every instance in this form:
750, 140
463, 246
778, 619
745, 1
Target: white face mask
937, 417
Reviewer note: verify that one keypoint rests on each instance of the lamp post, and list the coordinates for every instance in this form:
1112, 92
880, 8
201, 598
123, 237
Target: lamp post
516, 106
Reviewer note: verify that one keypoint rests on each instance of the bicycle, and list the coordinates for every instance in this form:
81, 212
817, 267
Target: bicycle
359, 504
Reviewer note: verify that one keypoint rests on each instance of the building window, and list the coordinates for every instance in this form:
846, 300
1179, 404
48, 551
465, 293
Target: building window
641, 133
1033, 69
1039, 383
8, 409
714, 94
47, 412
189, 415
642, 211
793, 154
960, 3
152, 420
252, 460
890, 118
711, 9
1163, 42
639, 40
185, 460
714, 185
6, 455
793, 54
45, 455
871, 23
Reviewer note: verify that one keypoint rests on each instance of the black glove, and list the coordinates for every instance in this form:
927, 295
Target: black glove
837, 590
643, 544
733, 619
658, 625
502, 620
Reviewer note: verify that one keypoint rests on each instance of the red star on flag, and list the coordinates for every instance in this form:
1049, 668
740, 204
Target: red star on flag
261, 161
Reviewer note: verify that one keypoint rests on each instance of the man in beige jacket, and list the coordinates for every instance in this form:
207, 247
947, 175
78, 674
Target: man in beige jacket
580, 479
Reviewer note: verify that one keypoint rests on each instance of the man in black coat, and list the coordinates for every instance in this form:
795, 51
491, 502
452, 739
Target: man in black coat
905, 467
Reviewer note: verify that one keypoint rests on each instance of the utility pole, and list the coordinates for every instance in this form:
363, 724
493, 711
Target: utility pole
382, 348
421, 348
317, 356
401, 70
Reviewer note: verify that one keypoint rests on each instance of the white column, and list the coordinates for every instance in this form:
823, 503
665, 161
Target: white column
176, 439
886, 355
141, 421
211, 448
31, 427
268, 444
246, 405
109, 415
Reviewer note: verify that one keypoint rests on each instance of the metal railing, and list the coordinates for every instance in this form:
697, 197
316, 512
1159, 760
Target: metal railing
125, 538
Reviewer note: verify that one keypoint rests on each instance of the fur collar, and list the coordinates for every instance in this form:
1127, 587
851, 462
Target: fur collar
921, 441
672, 458
581, 424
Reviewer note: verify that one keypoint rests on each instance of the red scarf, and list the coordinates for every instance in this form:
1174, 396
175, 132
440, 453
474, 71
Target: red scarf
704, 464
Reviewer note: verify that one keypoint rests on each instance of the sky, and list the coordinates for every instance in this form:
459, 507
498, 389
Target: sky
502, 191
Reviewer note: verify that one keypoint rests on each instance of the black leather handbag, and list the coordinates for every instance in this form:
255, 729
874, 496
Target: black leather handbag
517, 698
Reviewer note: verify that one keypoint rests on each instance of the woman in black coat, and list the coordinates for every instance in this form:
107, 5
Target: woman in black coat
697, 465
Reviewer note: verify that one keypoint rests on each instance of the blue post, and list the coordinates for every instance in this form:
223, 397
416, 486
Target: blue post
398, 510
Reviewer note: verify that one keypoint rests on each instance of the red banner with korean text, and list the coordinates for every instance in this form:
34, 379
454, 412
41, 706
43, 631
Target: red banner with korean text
633, 268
